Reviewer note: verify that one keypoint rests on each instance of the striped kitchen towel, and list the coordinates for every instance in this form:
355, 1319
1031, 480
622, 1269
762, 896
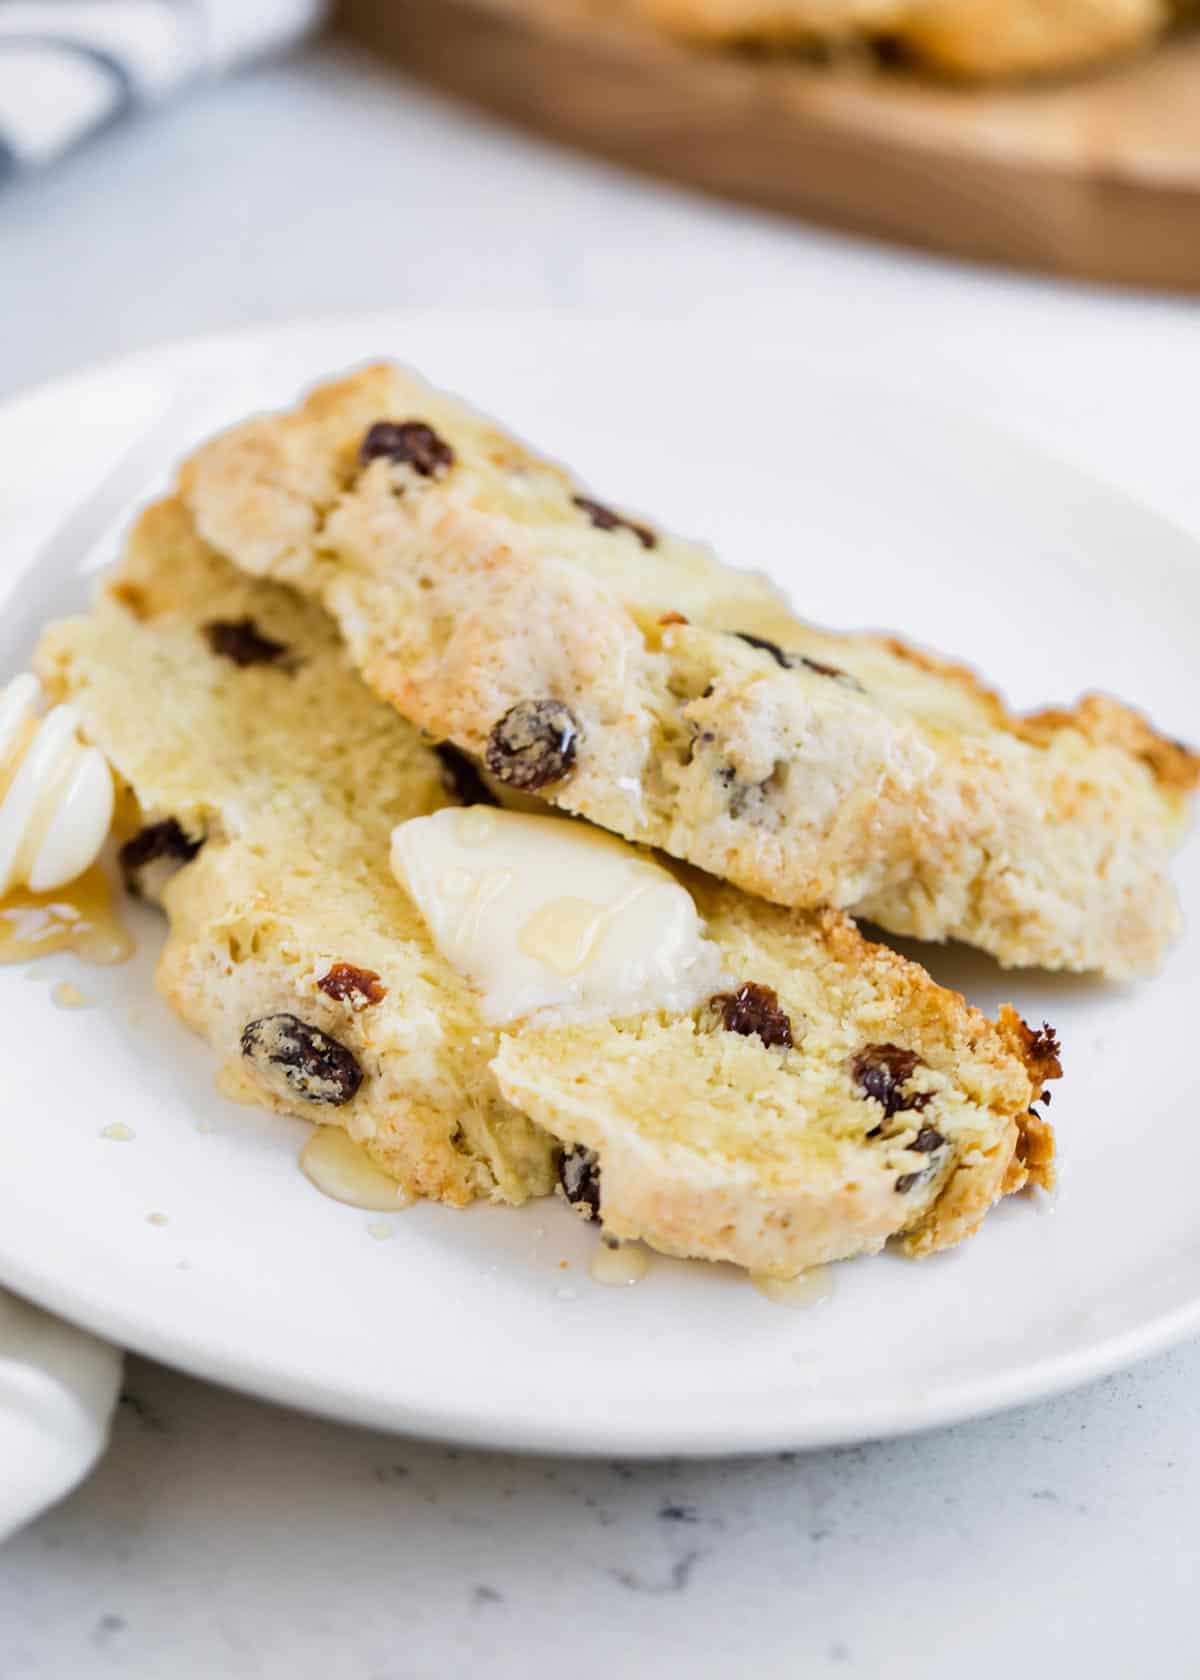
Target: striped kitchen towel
70, 67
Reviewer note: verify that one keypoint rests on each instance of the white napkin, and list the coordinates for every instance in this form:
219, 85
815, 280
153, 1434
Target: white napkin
58, 1387
69, 67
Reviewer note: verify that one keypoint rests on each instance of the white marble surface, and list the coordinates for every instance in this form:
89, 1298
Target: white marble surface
222, 1537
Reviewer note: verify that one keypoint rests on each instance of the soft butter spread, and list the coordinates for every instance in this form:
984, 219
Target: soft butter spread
545, 915
56, 795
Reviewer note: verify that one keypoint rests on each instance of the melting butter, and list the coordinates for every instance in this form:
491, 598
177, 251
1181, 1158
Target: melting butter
341, 1169
545, 915
56, 794
78, 917
809, 1289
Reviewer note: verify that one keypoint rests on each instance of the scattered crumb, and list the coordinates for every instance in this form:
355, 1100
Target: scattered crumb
118, 1132
564, 1265
67, 996
156, 1219
380, 1229
206, 1125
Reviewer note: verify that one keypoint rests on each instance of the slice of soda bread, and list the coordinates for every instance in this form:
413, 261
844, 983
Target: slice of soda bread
626, 676
833, 1098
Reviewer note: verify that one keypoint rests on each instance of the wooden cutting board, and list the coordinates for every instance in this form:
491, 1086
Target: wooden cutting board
1095, 177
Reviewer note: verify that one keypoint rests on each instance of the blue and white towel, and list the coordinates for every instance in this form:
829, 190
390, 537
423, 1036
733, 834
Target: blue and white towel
70, 67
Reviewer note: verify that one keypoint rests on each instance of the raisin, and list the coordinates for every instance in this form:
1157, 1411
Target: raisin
927, 1140
764, 646
461, 777
407, 442
881, 1070
828, 670
242, 641
579, 1176
356, 986
299, 1060
162, 843
604, 519
790, 661
1045, 1047
752, 1010
906, 1181
533, 743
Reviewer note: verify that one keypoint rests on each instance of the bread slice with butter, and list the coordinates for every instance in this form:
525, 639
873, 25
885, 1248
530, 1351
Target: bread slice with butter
626, 676
827, 1097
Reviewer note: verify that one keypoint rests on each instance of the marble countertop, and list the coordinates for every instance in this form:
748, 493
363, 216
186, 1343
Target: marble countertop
223, 1537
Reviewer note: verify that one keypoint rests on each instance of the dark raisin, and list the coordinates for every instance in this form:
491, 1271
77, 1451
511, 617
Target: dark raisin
752, 1010
764, 646
534, 743
1046, 1096
1045, 1045
461, 777
356, 986
927, 1140
163, 844
242, 641
828, 670
906, 1181
790, 661
408, 442
604, 519
302, 1061
579, 1176
882, 1070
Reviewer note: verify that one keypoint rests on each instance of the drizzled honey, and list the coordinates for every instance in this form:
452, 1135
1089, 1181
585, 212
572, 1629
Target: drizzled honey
78, 918
810, 1289
339, 1167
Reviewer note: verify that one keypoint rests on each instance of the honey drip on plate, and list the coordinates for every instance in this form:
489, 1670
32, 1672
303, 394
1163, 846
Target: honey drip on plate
341, 1169
78, 918
618, 1264
810, 1289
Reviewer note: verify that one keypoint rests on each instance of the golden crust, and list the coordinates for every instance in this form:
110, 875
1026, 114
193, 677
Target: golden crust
1107, 723
902, 790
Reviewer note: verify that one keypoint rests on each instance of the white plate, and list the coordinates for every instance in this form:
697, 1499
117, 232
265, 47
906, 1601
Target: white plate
484, 1326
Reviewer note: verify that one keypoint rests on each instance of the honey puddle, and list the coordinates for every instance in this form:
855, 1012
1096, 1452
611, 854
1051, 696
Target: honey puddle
78, 918
618, 1264
810, 1289
341, 1169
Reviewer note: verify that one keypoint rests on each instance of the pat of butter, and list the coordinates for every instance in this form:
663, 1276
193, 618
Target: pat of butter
545, 915
56, 795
